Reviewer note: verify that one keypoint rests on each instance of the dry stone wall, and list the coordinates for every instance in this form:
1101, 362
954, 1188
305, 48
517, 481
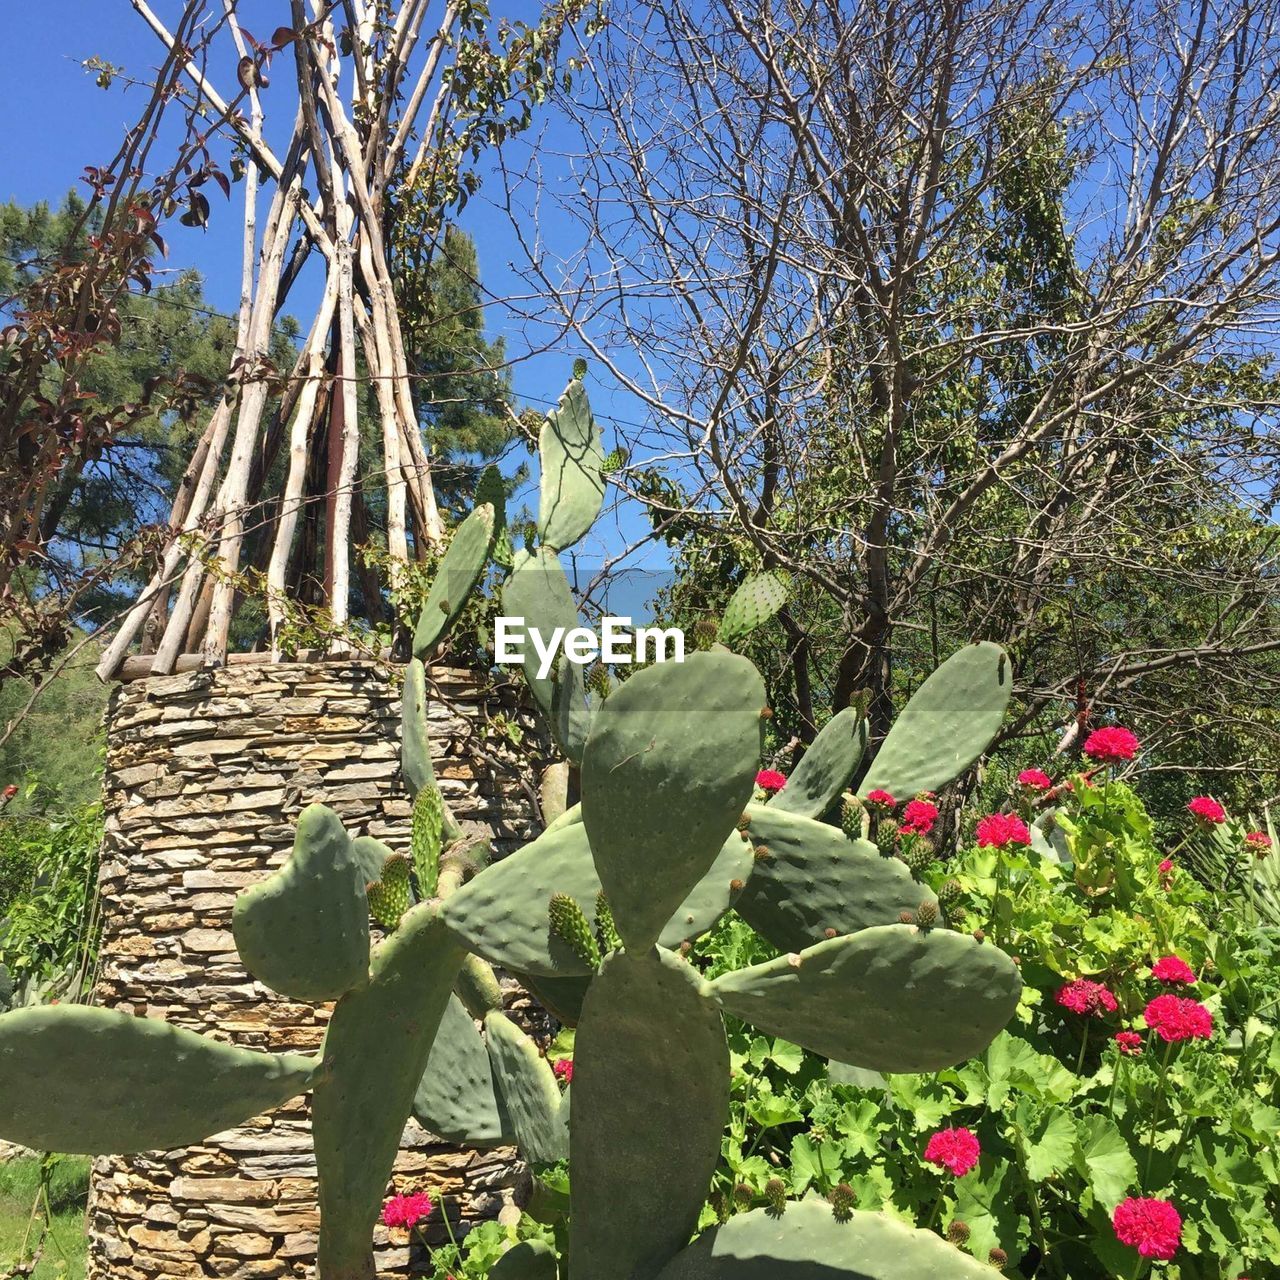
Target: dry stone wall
205, 775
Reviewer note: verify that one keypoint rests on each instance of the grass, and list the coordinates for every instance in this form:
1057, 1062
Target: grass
64, 1252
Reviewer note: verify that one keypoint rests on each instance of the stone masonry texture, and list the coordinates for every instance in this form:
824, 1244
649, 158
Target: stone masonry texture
206, 773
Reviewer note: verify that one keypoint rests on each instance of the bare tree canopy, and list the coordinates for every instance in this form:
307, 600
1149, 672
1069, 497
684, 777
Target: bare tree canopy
963, 315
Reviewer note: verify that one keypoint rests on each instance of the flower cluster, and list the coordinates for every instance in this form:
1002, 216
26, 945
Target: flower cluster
1153, 1227
1258, 842
770, 780
1175, 1018
881, 799
918, 818
997, 830
1207, 809
1110, 745
1129, 1043
1086, 997
953, 1149
407, 1211
1172, 969
1035, 780
563, 1067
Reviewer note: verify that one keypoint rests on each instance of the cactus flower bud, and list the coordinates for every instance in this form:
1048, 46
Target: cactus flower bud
851, 817
979, 936
830, 933
743, 1194
926, 915
905, 917
736, 886
775, 1191
958, 1232
950, 891
842, 1199
998, 1258
762, 852
569, 924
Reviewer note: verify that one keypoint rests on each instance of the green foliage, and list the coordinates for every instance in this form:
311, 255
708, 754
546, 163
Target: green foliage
57, 1188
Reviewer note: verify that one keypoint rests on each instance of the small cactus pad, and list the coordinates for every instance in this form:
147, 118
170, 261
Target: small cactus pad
948, 723
808, 1243
755, 601
712, 896
392, 895
538, 592
892, 998
455, 579
491, 488
528, 1260
455, 1098
304, 931
96, 1081
503, 914
375, 1051
651, 1099
527, 1091
427, 838
572, 461
670, 763
415, 741
825, 768
570, 711
815, 879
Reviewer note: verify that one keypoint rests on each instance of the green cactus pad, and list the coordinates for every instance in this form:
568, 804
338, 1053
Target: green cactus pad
948, 723
392, 895
96, 1081
891, 999
527, 1091
755, 601
455, 1098
455, 579
807, 1243
670, 763
491, 488
538, 592
713, 895
304, 931
814, 878
528, 1260
650, 1102
427, 838
503, 913
560, 997
570, 711
572, 462
568, 818
415, 741
825, 768
375, 1051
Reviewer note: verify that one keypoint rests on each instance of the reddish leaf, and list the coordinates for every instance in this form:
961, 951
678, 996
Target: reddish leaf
282, 36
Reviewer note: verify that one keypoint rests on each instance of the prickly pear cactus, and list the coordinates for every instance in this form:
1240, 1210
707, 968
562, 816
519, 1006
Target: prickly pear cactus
592, 915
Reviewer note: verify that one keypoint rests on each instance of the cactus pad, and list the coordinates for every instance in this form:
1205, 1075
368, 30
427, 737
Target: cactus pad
427, 837
415, 742
491, 488
948, 723
755, 601
504, 913
455, 579
825, 769
891, 998
570, 711
808, 1243
713, 895
304, 931
96, 1081
528, 1260
528, 1094
572, 461
650, 1102
815, 879
391, 896
670, 762
455, 1098
375, 1052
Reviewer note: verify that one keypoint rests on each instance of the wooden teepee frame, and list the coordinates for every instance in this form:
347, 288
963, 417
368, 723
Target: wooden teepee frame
367, 92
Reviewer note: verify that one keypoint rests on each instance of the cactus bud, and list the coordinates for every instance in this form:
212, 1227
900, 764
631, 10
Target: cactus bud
744, 822
686, 949
743, 1195
704, 633
391, 897
720, 1205
887, 838
918, 855
607, 936
766, 713
851, 817
736, 886
905, 917
775, 1191
762, 852
958, 1232
842, 1199
958, 915
569, 924
998, 1258
830, 933
979, 936
926, 915
950, 891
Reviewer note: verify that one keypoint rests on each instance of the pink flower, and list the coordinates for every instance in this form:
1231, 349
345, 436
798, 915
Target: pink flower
563, 1067
10, 791
954, 1149
1000, 829
1175, 1018
770, 780
1128, 1042
1111, 744
1086, 997
1258, 842
1207, 809
881, 799
1035, 780
1172, 969
1166, 867
1153, 1227
918, 818
406, 1211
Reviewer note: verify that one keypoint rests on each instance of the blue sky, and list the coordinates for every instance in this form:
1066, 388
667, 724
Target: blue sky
61, 121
